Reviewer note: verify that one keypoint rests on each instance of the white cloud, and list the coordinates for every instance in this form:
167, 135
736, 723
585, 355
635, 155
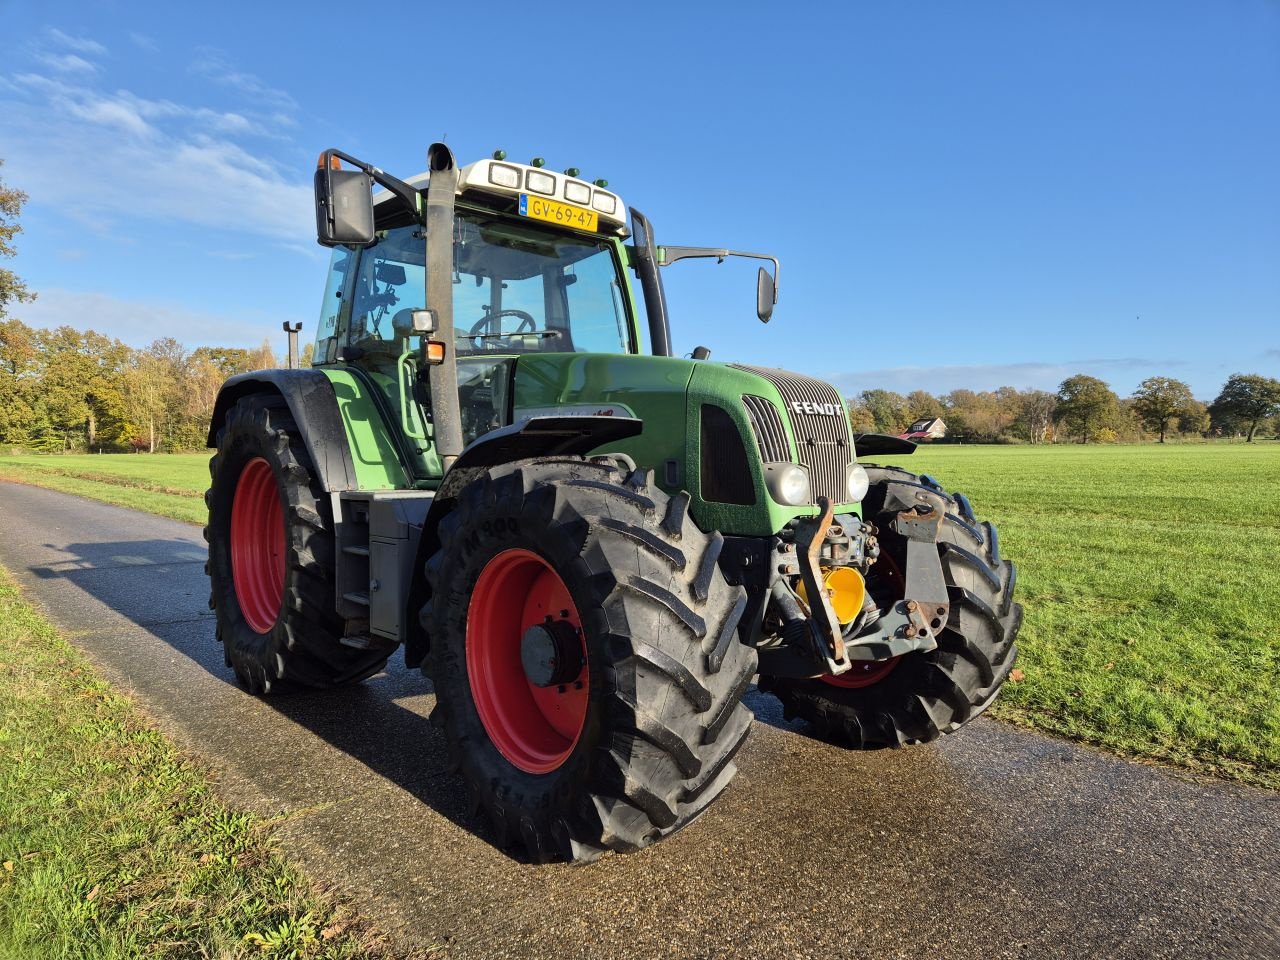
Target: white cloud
79, 44
139, 322
67, 62
211, 65
98, 155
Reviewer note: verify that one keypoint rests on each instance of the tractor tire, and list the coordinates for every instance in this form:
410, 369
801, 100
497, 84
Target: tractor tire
920, 696
640, 740
271, 557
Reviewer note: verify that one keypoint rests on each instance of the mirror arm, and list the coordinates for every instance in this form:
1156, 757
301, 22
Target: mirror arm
405, 193
669, 255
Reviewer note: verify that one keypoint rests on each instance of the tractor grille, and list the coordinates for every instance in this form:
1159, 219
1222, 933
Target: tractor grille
822, 440
769, 431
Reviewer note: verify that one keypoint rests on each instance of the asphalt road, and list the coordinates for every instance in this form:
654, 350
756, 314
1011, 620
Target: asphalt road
994, 842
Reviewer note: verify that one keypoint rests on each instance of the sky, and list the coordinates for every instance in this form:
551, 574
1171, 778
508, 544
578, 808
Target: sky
962, 195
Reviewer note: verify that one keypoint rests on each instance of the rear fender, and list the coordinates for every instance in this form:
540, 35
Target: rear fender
522, 440
314, 406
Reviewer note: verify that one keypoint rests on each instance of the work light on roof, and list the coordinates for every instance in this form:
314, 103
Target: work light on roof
605, 203
503, 175
540, 182
577, 192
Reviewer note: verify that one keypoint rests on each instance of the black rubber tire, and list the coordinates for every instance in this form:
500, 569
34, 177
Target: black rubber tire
667, 671
926, 694
302, 648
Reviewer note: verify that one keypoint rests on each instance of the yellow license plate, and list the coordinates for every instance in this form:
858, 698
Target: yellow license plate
553, 211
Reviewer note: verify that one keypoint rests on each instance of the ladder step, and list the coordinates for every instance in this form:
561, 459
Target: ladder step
356, 551
357, 596
357, 642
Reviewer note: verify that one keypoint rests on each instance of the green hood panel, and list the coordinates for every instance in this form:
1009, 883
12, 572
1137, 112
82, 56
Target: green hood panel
668, 394
592, 384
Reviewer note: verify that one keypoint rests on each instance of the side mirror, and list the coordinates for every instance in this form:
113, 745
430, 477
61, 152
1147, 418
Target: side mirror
344, 207
766, 295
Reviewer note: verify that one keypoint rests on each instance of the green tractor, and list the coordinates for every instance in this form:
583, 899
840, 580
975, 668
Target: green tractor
590, 546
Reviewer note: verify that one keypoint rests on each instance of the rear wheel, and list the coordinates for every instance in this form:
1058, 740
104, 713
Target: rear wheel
271, 557
918, 697
585, 656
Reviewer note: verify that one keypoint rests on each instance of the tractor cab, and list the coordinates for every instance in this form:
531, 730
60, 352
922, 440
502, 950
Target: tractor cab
530, 275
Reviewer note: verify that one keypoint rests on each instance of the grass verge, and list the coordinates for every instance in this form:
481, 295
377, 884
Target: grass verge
169, 485
113, 845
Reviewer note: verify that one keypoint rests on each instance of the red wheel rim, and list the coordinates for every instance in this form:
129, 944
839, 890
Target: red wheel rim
536, 728
863, 674
257, 545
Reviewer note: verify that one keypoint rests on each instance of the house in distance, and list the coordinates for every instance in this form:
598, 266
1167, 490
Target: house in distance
929, 428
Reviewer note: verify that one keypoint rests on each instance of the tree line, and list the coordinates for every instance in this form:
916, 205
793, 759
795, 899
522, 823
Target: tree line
1084, 409
73, 390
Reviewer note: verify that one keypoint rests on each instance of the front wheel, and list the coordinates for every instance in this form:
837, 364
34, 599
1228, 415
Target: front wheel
585, 656
920, 696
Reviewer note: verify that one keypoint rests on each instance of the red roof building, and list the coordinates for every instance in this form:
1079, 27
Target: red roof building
930, 428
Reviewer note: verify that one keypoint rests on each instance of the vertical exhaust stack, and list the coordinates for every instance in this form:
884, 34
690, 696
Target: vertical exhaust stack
292, 330
446, 418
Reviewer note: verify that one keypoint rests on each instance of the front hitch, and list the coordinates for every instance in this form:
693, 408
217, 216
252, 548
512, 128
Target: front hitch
816, 645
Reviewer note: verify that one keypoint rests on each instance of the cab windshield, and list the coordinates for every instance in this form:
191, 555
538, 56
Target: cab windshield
517, 288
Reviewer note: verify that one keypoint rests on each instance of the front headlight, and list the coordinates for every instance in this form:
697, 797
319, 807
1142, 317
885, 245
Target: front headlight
856, 482
788, 483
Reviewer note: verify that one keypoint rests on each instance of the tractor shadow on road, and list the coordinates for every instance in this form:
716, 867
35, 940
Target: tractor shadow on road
161, 587
383, 724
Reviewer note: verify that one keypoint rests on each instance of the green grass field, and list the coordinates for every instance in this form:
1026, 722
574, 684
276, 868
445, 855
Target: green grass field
1151, 581
171, 485
1150, 577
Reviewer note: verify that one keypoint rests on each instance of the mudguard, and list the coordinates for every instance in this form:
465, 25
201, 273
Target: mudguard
314, 406
531, 437
880, 445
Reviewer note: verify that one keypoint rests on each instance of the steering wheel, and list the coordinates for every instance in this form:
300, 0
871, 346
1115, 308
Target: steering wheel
527, 320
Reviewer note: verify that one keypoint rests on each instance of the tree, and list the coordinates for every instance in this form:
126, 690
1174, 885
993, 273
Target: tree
982, 416
1035, 414
1246, 400
146, 386
263, 358
79, 383
1160, 401
922, 405
1194, 419
19, 382
860, 417
12, 289
888, 410
1085, 406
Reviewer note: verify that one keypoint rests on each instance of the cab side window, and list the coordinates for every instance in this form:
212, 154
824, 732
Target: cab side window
336, 295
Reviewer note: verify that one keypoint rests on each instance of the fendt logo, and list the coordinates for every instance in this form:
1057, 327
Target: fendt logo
821, 409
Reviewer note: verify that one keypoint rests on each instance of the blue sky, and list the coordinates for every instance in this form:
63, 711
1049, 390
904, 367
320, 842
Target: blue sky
962, 195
